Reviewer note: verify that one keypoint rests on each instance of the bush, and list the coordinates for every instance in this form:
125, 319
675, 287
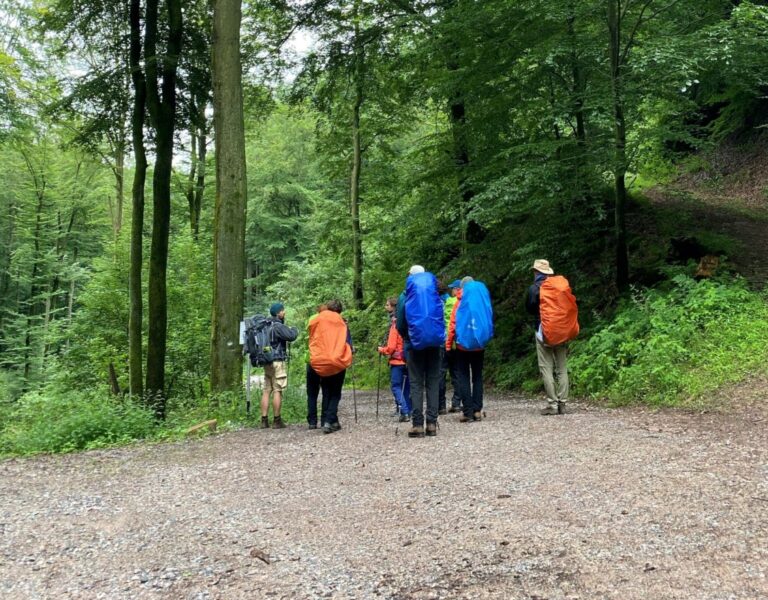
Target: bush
672, 346
56, 422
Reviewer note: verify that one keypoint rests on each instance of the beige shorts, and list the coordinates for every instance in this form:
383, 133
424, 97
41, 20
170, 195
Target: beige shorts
275, 377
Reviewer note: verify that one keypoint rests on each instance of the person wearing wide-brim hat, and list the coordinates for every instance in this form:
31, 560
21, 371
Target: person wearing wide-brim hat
552, 359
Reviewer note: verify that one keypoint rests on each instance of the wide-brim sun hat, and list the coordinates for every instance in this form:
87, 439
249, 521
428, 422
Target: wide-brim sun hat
542, 266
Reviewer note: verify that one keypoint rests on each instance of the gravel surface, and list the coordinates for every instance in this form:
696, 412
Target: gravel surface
595, 504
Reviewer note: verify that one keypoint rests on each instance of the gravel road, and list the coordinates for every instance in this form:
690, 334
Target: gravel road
598, 503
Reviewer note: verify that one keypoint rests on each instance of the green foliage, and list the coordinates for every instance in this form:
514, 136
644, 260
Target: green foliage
673, 345
49, 421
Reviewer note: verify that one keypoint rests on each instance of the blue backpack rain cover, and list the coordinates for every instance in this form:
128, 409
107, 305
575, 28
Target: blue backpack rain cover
474, 317
424, 311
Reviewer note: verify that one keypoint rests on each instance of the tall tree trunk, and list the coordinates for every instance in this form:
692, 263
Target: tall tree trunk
231, 198
135, 379
162, 112
354, 187
473, 232
620, 145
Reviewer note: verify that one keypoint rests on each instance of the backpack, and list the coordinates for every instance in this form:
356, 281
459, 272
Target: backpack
329, 352
558, 310
258, 340
474, 317
424, 311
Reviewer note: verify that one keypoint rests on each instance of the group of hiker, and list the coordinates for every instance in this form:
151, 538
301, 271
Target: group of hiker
435, 331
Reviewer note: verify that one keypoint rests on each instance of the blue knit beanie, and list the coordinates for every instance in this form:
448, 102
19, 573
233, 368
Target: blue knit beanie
275, 309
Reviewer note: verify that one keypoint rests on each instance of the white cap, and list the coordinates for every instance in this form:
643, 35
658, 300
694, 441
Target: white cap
416, 269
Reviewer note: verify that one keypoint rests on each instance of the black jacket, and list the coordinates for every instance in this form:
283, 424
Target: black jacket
532, 298
281, 334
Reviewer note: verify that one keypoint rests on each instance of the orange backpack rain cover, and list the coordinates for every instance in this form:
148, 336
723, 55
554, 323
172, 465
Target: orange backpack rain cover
559, 313
329, 352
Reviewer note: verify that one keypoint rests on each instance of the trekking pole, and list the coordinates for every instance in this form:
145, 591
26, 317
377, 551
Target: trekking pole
248, 386
402, 395
378, 388
354, 395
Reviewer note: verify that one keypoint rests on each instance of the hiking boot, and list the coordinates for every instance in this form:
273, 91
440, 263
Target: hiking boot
454, 409
327, 428
404, 418
465, 419
265, 422
417, 431
550, 410
431, 429
442, 411
561, 408
335, 426
312, 426
478, 416
277, 423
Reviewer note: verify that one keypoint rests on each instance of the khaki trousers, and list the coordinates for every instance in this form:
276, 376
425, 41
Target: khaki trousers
553, 360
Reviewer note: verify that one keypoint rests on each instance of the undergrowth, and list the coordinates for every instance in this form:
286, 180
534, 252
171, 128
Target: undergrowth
673, 345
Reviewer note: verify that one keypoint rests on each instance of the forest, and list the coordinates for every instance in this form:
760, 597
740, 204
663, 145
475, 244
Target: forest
170, 167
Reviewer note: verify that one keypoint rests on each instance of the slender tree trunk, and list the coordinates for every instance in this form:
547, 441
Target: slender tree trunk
135, 378
202, 146
5, 267
231, 198
581, 192
190, 193
32, 304
71, 297
119, 185
162, 111
579, 82
47, 306
354, 188
620, 145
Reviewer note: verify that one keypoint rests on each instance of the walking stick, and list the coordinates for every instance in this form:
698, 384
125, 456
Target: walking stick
248, 386
402, 395
378, 388
354, 395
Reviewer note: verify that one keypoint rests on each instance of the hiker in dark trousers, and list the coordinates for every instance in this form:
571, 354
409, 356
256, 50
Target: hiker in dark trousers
552, 359
394, 350
313, 385
423, 368
469, 368
448, 364
330, 349
276, 374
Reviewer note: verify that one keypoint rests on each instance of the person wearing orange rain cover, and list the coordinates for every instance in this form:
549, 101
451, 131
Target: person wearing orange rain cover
552, 353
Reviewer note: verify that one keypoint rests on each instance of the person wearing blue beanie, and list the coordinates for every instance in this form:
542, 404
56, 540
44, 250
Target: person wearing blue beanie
275, 373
